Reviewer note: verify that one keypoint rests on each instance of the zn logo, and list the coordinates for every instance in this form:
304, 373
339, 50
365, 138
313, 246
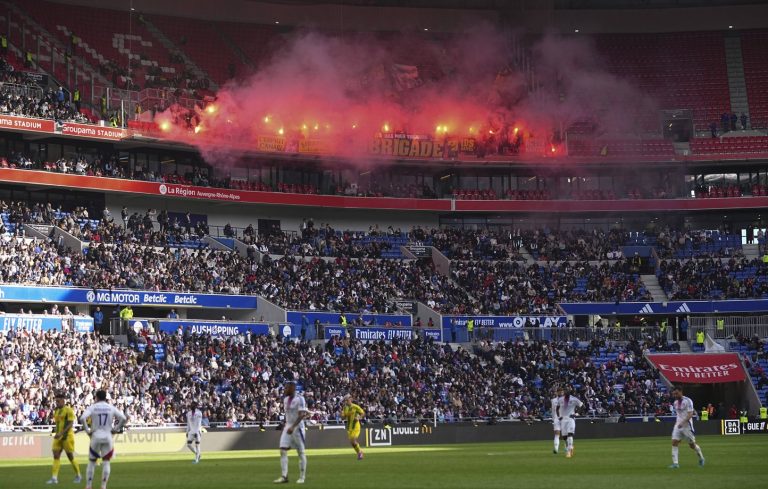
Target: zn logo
731, 427
379, 437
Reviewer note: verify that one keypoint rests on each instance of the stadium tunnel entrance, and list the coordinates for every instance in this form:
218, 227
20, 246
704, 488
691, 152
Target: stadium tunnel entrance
725, 399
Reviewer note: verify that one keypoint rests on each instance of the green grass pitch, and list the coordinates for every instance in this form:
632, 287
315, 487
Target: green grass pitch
625, 463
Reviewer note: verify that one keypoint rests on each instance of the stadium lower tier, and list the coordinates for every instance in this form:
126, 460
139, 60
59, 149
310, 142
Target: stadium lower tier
239, 379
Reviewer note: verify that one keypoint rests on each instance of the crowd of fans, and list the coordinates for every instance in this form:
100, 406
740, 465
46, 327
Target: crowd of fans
467, 244
592, 245
320, 241
696, 244
511, 288
714, 278
239, 379
33, 101
320, 268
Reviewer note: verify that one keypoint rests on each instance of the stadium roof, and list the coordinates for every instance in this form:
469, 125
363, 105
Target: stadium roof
525, 4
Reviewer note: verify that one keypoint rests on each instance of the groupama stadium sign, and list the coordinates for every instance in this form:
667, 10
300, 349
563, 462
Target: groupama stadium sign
705, 368
48, 126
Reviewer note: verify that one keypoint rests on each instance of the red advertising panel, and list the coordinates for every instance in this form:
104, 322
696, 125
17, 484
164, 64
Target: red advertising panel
92, 131
208, 193
26, 124
704, 368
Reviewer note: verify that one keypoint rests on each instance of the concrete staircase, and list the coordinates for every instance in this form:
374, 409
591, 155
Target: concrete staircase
736, 81
526, 255
171, 47
244, 59
751, 251
30, 27
652, 284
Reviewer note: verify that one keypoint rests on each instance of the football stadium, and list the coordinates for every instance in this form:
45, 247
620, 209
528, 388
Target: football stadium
383, 243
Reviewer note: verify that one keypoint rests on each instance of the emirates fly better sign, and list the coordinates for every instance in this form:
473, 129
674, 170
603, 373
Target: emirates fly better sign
705, 368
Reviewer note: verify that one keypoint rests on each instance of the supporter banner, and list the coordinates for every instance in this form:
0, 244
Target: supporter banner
271, 144
313, 146
93, 131
294, 317
407, 148
706, 368
371, 334
38, 322
21, 293
26, 124
669, 308
506, 321
214, 328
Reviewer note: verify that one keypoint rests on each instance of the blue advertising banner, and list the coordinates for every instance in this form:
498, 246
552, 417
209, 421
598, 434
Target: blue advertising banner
21, 293
506, 321
213, 328
433, 334
371, 334
668, 308
39, 322
504, 327
294, 317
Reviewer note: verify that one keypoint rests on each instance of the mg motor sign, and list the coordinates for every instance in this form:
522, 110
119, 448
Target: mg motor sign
706, 368
23, 293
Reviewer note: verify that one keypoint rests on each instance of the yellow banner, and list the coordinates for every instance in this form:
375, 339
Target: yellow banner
138, 442
468, 145
415, 148
313, 146
271, 144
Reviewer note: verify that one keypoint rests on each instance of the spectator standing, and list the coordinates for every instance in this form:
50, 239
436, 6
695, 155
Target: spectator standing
98, 320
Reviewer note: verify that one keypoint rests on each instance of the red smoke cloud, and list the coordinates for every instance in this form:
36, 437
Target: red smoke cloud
343, 91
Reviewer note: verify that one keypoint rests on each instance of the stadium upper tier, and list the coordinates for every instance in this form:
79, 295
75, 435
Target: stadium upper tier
685, 71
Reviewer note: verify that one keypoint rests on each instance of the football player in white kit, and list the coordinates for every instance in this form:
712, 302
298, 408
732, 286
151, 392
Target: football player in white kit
293, 433
567, 406
102, 426
683, 427
194, 430
556, 419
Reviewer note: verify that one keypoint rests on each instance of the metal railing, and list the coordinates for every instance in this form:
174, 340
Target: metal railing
22, 90
584, 334
733, 326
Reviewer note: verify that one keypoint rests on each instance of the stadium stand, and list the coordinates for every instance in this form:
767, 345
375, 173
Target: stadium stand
730, 147
714, 279
236, 379
754, 52
679, 70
